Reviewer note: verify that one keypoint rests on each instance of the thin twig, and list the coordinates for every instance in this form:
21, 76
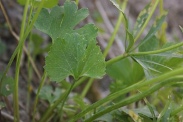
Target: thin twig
8, 116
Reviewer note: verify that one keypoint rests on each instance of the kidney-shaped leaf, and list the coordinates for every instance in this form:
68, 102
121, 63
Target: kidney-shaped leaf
63, 19
75, 56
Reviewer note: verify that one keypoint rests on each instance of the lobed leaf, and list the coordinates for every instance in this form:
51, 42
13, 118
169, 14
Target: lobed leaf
63, 19
74, 55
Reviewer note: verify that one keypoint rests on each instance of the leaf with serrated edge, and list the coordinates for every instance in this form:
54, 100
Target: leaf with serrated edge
74, 56
63, 19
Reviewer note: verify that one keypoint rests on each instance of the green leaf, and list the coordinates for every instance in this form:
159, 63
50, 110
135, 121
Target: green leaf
124, 77
165, 114
7, 86
155, 27
47, 93
61, 20
128, 34
143, 112
74, 56
141, 19
131, 40
47, 3
156, 64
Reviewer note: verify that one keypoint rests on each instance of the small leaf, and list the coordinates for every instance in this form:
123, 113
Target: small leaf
155, 27
128, 34
47, 3
61, 20
74, 56
141, 19
47, 93
131, 40
7, 86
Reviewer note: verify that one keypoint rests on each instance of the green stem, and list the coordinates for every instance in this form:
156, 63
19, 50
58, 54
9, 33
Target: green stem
65, 98
118, 58
147, 20
62, 99
87, 87
157, 51
130, 99
111, 40
77, 2
15, 93
37, 94
161, 6
164, 110
176, 111
22, 42
128, 89
81, 80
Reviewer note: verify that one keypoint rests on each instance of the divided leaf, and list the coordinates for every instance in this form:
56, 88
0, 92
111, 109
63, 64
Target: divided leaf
156, 64
74, 55
63, 19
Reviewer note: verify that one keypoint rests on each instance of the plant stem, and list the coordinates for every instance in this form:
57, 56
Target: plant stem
111, 40
128, 89
77, 2
81, 80
176, 111
62, 99
65, 98
87, 87
118, 58
147, 20
27, 31
157, 51
37, 94
130, 100
163, 112
15, 93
